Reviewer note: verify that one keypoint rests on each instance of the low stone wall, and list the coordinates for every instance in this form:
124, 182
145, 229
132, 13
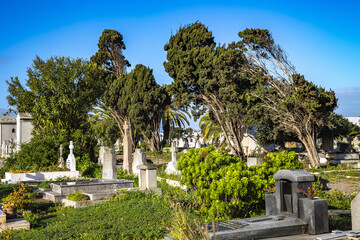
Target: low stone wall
38, 176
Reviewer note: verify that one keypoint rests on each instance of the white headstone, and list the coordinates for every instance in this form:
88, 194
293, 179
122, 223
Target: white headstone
171, 166
71, 161
109, 164
355, 213
127, 143
139, 159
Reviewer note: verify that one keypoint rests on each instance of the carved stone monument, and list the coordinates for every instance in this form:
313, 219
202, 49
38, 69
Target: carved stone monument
101, 155
127, 162
139, 159
355, 213
109, 164
71, 161
61, 159
171, 166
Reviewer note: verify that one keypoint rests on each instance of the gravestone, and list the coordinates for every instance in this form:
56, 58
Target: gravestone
139, 159
101, 155
127, 161
252, 161
355, 213
171, 166
148, 177
61, 159
71, 161
109, 164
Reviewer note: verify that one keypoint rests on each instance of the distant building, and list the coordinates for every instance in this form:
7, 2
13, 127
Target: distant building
354, 120
14, 131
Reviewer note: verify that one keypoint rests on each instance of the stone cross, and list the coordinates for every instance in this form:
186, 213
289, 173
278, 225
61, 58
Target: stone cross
355, 213
109, 164
171, 167
61, 159
127, 162
71, 161
337, 234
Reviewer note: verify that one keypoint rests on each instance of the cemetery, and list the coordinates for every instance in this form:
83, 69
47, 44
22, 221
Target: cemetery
99, 152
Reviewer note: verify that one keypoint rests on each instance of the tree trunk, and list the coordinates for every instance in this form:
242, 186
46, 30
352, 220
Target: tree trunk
310, 146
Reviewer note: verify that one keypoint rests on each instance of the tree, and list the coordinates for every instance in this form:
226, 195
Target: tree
59, 93
298, 106
210, 77
210, 130
110, 57
138, 97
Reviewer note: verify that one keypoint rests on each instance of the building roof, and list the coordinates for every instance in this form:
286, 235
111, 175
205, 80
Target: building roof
7, 119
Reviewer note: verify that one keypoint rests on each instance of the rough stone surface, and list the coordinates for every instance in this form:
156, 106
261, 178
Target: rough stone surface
127, 164
139, 159
262, 227
315, 213
270, 204
355, 213
294, 175
101, 155
109, 164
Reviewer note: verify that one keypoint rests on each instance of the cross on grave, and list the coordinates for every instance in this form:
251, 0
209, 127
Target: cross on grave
71, 161
337, 234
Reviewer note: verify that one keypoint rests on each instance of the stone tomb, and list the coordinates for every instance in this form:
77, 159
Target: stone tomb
96, 189
287, 212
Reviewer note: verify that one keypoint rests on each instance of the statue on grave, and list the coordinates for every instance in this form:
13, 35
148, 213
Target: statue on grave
71, 161
61, 159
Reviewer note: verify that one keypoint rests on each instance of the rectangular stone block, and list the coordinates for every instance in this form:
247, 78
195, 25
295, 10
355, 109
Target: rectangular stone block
315, 214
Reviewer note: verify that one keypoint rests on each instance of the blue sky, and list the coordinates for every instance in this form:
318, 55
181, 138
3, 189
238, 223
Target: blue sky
322, 38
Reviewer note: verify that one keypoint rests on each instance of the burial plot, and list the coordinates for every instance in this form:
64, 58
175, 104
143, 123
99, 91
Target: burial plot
109, 164
288, 212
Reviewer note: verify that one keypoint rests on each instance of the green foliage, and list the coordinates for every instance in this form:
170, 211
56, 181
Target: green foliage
337, 222
121, 174
44, 185
224, 186
337, 199
59, 94
210, 77
176, 194
76, 196
141, 217
88, 168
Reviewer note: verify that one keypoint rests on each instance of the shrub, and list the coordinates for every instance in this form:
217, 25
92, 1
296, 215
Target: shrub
77, 197
223, 185
18, 198
44, 185
121, 174
88, 168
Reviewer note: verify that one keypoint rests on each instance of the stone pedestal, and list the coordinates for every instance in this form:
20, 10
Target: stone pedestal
355, 213
71, 160
127, 162
109, 164
139, 159
147, 178
315, 213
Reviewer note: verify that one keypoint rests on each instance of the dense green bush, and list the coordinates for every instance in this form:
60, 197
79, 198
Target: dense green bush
44, 185
337, 199
121, 174
223, 185
77, 197
88, 168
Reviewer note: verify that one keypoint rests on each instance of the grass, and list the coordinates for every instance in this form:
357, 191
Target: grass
140, 217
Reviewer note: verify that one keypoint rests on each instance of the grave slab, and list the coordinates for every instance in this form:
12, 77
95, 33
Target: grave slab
355, 213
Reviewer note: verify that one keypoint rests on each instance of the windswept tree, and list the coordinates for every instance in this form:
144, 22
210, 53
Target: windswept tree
207, 76
297, 106
142, 100
110, 57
